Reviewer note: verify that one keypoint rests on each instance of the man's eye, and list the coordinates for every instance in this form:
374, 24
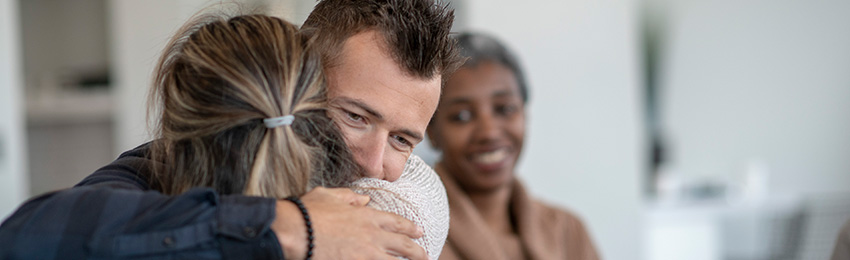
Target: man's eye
401, 140
354, 117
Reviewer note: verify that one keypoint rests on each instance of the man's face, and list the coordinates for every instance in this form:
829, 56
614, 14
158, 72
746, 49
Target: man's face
381, 111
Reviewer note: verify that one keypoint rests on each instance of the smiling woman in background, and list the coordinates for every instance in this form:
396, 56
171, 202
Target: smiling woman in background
479, 126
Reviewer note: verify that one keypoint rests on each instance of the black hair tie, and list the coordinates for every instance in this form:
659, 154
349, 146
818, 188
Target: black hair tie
307, 222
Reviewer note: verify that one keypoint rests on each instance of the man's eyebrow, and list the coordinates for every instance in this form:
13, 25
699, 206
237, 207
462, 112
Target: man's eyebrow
362, 105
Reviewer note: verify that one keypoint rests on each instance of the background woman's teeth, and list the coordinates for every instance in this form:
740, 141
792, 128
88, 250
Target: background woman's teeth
491, 157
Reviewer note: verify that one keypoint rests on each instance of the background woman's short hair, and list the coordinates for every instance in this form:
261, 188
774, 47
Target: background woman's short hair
479, 47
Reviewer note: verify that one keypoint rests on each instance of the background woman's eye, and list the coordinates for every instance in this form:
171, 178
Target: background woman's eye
462, 116
506, 109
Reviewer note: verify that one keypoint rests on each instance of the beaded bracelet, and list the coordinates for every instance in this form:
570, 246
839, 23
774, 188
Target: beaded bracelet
309, 224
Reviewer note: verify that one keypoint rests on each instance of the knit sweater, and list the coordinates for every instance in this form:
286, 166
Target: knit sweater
417, 195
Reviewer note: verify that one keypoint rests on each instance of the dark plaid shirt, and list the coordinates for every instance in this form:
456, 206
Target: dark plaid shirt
114, 214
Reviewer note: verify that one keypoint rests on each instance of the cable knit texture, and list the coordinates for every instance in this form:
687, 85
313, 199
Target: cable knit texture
417, 195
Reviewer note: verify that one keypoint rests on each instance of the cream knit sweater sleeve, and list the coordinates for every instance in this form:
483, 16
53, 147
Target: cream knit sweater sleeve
417, 195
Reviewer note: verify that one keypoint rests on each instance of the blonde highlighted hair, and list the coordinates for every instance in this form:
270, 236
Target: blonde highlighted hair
217, 80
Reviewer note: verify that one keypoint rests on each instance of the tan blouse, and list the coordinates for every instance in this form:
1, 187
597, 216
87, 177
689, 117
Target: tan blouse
544, 232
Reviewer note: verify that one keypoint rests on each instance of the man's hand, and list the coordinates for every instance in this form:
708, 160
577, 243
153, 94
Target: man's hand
345, 229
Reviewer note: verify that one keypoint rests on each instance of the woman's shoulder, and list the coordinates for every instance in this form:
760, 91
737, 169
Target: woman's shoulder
557, 213
545, 210
566, 229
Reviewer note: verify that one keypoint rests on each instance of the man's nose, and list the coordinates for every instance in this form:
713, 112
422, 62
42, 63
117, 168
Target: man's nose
391, 172
371, 157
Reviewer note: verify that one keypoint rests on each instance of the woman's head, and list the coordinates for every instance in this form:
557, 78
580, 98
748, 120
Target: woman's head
216, 82
480, 122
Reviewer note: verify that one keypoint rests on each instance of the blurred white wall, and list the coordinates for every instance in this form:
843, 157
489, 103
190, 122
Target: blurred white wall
13, 160
584, 143
761, 87
139, 32
68, 123
762, 81
61, 38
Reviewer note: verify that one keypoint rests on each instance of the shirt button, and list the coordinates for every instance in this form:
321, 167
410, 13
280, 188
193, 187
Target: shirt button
168, 242
250, 232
